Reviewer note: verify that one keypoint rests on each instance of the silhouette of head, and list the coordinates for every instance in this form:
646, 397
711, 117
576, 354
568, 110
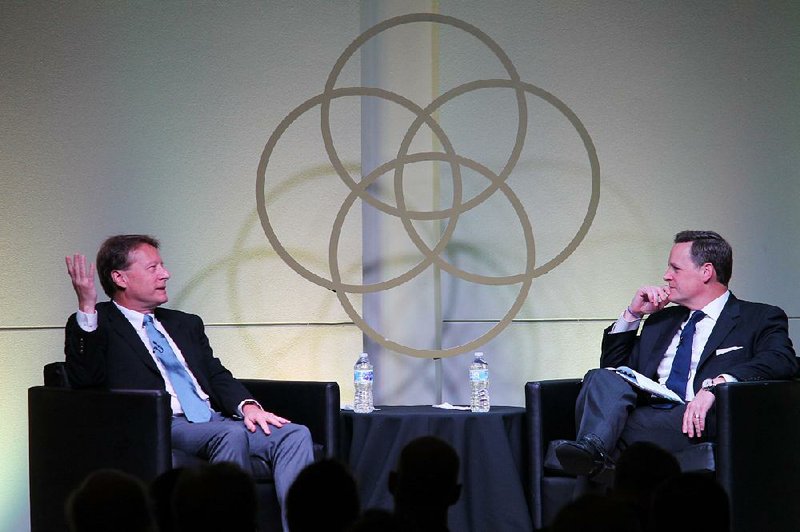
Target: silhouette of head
596, 513
215, 497
639, 471
378, 520
702, 502
161, 492
324, 496
425, 483
110, 500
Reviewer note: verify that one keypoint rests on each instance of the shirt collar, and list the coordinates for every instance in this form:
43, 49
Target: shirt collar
714, 308
136, 318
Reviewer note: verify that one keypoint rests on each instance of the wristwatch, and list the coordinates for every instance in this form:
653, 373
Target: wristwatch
708, 385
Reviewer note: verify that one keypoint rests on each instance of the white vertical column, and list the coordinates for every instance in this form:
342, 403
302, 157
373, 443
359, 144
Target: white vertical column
399, 60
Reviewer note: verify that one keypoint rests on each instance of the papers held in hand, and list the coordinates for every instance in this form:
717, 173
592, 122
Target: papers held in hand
648, 385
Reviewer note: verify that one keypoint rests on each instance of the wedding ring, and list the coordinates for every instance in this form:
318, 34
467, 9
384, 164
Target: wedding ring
697, 416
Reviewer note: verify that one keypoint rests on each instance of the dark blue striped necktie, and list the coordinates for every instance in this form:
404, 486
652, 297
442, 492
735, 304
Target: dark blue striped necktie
679, 375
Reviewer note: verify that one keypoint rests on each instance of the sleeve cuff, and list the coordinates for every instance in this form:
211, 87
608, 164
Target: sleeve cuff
87, 322
623, 325
248, 402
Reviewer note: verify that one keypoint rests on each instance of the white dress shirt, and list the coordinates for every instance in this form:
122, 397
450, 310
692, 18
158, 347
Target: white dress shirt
701, 334
88, 322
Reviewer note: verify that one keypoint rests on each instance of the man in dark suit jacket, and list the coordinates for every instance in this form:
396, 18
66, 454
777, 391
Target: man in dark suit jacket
108, 345
733, 340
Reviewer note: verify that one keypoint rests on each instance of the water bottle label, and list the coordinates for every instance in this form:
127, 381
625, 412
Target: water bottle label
363, 375
479, 375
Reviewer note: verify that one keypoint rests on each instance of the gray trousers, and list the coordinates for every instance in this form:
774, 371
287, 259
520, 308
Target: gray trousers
287, 449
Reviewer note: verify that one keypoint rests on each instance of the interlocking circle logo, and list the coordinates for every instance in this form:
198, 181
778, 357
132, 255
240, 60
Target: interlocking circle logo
425, 117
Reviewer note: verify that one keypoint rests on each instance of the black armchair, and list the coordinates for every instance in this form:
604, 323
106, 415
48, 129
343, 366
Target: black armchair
74, 432
755, 457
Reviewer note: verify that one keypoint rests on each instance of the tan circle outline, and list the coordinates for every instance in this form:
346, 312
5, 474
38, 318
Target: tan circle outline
424, 116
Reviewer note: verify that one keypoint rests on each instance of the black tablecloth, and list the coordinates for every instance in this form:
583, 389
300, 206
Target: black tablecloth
488, 444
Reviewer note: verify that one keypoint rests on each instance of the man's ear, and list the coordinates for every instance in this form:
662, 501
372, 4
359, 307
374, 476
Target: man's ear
119, 279
709, 272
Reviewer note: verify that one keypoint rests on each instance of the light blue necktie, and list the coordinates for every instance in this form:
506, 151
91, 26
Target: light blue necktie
679, 374
194, 408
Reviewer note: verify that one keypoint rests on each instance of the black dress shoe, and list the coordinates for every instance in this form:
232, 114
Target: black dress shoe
585, 457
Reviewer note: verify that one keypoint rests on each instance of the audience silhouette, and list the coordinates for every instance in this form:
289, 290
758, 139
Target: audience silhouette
690, 502
110, 500
649, 495
161, 491
214, 497
324, 496
596, 513
378, 520
641, 468
425, 484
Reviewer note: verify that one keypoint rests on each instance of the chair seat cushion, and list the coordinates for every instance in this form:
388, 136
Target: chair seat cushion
695, 458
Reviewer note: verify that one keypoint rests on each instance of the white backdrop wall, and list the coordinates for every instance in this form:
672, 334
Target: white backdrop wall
152, 117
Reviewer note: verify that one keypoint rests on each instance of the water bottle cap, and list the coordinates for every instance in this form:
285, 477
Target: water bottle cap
478, 354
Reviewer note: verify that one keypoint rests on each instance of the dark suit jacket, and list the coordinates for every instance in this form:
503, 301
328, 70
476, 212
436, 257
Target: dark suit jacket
114, 357
758, 332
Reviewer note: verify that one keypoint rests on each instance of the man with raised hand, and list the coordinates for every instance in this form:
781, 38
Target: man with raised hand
131, 342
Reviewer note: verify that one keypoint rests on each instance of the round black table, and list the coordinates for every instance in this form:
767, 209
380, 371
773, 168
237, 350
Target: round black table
489, 445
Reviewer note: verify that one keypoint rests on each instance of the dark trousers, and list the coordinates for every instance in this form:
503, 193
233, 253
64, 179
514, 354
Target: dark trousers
619, 414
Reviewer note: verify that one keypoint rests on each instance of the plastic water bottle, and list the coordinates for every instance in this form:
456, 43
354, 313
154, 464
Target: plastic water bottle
479, 384
362, 381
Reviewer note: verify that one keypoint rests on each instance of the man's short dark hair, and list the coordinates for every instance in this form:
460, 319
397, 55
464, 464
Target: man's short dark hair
708, 246
114, 254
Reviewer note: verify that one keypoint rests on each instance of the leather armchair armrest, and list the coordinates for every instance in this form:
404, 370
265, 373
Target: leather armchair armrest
550, 407
310, 403
549, 415
758, 432
74, 432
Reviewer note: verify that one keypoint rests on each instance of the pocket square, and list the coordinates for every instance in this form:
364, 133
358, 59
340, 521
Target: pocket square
727, 350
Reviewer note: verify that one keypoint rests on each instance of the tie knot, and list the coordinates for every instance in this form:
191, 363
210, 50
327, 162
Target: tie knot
148, 319
697, 316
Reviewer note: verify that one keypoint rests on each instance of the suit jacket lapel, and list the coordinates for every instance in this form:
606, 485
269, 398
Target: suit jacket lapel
662, 340
120, 325
175, 329
728, 319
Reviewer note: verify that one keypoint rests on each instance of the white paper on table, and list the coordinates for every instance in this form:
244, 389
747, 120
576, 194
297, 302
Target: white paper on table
448, 406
